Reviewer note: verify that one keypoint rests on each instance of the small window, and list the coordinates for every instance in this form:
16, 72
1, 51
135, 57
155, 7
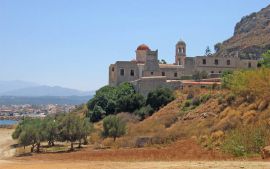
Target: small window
204, 61
131, 72
112, 69
228, 62
219, 72
175, 74
152, 73
212, 72
249, 65
122, 72
216, 61
163, 73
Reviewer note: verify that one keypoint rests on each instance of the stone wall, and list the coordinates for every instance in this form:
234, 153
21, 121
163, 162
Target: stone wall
146, 84
121, 72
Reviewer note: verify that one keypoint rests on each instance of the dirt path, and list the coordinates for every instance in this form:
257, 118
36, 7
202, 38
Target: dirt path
135, 165
5, 143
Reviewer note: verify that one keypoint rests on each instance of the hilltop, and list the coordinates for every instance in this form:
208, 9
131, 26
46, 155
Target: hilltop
251, 36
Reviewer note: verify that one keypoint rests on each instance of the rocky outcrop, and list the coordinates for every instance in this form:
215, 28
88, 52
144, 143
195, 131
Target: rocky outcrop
251, 37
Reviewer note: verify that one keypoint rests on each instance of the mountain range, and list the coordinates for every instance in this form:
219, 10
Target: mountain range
29, 89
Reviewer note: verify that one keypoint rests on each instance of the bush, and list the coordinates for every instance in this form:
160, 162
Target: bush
187, 103
159, 97
225, 78
113, 126
122, 98
246, 140
190, 95
205, 97
230, 99
97, 114
249, 83
129, 103
196, 101
144, 112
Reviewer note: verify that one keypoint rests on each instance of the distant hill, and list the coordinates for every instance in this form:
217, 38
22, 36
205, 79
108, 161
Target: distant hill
45, 91
6, 86
251, 36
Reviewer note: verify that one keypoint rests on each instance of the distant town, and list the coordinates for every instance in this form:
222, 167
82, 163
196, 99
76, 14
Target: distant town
34, 111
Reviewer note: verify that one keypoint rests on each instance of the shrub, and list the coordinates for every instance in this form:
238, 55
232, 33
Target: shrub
113, 126
116, 99
246, 140
159, 97
205, 97
129, 103
251, 83
225, 78
144, 112
97, 114
265, 62
190, 95
196, 101
230, 99
187, 103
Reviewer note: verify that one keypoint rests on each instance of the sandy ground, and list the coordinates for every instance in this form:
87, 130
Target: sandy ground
71, 160
5, 143
134, 165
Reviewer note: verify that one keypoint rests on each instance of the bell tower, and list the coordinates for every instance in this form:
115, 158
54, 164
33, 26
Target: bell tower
180, 53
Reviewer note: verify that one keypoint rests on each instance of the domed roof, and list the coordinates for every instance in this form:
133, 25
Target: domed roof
143, 47
181, 42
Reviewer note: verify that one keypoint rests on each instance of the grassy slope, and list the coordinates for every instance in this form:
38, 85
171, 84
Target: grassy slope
207, 123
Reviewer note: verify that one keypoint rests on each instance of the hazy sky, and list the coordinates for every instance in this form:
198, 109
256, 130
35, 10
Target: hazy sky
71, 43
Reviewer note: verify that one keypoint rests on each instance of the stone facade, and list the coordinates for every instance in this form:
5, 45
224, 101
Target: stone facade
146, 73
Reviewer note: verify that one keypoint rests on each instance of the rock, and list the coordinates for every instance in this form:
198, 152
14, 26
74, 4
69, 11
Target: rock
217, 135
251, 36
252, 106
265, 152
207, 114
263, 105
142, 141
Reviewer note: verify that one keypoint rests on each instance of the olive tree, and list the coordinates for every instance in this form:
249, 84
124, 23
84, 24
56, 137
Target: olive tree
113, 126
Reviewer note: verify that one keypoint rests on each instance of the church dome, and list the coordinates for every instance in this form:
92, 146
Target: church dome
181, 42
143, 47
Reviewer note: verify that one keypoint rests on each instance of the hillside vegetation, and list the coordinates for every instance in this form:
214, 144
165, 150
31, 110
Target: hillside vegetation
234, 119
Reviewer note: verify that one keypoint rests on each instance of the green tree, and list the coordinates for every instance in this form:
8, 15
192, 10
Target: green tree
105, 97
130, 103
97, 114
199, 75
265, 62
124, 89
113, 126
208, 51
50, 126
217, 47
159, 97
30, 132
69, 125
162, 61
144, 112
85, 128
225, 78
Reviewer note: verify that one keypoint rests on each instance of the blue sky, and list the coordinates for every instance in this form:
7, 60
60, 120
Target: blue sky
71, 43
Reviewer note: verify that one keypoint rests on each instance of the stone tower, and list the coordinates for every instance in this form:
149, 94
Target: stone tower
180, 53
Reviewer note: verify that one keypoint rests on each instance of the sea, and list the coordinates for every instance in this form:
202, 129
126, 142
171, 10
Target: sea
8, 122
